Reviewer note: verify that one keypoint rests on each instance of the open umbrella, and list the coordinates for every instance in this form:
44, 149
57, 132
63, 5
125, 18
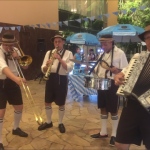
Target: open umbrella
83, 38
123, 32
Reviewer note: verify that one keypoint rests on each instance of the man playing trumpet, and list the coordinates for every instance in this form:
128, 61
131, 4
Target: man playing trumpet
56, 66
9, 84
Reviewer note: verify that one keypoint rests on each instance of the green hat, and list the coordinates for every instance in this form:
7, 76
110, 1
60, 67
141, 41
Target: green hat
57, 36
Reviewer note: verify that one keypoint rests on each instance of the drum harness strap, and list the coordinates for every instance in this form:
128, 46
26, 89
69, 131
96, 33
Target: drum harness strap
111, 65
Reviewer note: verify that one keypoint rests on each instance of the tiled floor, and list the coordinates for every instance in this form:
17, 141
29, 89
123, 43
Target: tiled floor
81, 120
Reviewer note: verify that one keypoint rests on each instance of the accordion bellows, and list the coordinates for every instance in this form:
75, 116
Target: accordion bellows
137, 79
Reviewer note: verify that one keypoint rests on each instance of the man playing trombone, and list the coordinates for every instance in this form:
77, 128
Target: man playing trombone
9, 84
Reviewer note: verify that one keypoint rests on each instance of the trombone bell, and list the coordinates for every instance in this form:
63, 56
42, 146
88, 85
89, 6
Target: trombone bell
25, 60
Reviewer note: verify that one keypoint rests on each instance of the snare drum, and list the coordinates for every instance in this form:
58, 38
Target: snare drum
102, 83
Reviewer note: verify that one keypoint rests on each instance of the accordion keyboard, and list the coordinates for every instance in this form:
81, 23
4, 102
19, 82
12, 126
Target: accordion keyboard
127, 74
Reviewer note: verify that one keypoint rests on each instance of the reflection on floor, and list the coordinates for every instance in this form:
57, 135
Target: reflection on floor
81, 120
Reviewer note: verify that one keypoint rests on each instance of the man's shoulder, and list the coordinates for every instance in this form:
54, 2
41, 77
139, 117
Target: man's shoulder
117, 49
68, 51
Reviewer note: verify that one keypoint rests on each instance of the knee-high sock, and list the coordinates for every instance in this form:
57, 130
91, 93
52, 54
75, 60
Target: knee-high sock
104, 119
114, 125
1, 126
49, 111
17, 118
61, 113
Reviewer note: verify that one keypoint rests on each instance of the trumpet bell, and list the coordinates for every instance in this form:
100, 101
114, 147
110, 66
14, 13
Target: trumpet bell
25, 60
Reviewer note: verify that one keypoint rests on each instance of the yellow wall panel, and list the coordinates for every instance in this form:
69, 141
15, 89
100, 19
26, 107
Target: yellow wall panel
29, 12
112, 7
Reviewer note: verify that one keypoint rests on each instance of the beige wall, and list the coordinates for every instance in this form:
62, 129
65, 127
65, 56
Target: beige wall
112, 7
29, 12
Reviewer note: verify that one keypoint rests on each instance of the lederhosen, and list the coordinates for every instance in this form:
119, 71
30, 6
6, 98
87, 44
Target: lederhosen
134, 124
108, 98
56, 87
9, 91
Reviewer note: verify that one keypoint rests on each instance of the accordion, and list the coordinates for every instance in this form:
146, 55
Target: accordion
137, 79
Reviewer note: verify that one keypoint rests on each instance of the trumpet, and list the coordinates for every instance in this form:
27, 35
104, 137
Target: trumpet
52, 58
28, 94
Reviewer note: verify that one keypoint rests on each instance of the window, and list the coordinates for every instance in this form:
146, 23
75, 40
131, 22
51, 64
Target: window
84, 7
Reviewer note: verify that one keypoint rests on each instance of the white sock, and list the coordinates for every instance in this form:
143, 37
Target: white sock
1, 126
114, 125
17, 118
61, 113
104, 119
49, 111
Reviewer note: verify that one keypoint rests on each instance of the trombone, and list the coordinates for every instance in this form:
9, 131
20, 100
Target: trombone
26, 60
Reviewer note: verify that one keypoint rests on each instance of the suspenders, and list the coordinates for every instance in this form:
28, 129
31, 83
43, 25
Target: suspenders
6, 58
59, 62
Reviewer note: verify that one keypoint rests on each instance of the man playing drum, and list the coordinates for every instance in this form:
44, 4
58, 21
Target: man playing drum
108, 101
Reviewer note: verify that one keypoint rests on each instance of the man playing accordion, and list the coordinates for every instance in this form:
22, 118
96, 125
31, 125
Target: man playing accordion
134, 124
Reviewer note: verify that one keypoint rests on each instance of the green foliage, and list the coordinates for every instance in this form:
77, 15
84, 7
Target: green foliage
67, 33
97, 25
139, 17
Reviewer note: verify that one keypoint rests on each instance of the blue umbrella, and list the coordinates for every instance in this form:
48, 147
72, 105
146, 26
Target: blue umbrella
83, 38
123, 32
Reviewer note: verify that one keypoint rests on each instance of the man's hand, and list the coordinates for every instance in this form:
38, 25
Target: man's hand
57, 56
48, 63
119, 78
115, 70
20, 80
15, 55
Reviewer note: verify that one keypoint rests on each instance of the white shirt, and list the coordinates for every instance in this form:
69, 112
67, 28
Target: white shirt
119, 61
67, 56
3, 63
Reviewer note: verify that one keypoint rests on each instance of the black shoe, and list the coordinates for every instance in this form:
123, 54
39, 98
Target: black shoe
112, 141
62, 128
19, 132
99, 136
1, 146
45, 126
